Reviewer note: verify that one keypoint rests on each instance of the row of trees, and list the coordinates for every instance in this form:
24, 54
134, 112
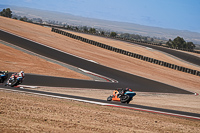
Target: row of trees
6, 13
138, 37
179, 42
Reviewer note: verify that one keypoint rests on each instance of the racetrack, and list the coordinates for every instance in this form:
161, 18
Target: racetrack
185, 56
177, 53
124, 79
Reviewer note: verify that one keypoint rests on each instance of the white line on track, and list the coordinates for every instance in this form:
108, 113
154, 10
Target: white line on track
28, 86
81, 100
103, 77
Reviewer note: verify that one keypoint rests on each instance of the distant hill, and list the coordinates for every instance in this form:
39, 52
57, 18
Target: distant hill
105, 24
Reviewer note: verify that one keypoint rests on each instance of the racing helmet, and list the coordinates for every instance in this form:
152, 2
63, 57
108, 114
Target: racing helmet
128, 89
21, 72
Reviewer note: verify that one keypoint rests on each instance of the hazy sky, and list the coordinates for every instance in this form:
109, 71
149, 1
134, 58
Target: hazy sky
174, 14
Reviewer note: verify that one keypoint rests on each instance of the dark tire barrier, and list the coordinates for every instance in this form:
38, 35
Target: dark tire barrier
122, 39
134, 55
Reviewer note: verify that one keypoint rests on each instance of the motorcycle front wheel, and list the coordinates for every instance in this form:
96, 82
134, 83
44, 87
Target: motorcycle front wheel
109, 98
14, 83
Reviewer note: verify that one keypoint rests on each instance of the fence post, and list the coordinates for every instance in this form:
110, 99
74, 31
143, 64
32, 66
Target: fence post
169, 65
198, 73
195, 72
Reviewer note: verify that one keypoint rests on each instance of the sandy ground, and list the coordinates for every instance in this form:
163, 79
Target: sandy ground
18, 111
27, 113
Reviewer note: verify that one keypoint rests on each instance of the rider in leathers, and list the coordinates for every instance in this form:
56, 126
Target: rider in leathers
16, 75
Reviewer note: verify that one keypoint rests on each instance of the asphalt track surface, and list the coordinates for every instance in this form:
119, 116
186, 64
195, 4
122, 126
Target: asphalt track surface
107, 103
177, 53
124, 79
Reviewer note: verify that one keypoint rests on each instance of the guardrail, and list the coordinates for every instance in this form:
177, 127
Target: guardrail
131, 54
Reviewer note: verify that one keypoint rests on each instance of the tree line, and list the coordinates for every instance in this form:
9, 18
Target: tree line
6, 13
178, 42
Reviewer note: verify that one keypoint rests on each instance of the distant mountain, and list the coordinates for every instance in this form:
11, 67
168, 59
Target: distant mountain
105, 24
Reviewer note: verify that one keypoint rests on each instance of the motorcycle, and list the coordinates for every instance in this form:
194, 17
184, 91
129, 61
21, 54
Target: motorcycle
3, 76
125, 97
14, 80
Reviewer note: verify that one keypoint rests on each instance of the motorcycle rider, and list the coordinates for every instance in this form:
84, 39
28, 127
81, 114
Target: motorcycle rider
16, 75
4, 77
3, 72
21, 74
122, 95
123, 91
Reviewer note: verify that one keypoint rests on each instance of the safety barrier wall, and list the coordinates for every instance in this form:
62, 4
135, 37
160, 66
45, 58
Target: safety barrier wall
134, 55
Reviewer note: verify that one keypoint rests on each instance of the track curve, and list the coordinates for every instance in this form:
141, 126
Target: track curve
177, 53
125, 79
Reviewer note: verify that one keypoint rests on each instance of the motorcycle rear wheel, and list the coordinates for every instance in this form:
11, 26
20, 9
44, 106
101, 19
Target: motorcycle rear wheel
1, 80
124, 98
